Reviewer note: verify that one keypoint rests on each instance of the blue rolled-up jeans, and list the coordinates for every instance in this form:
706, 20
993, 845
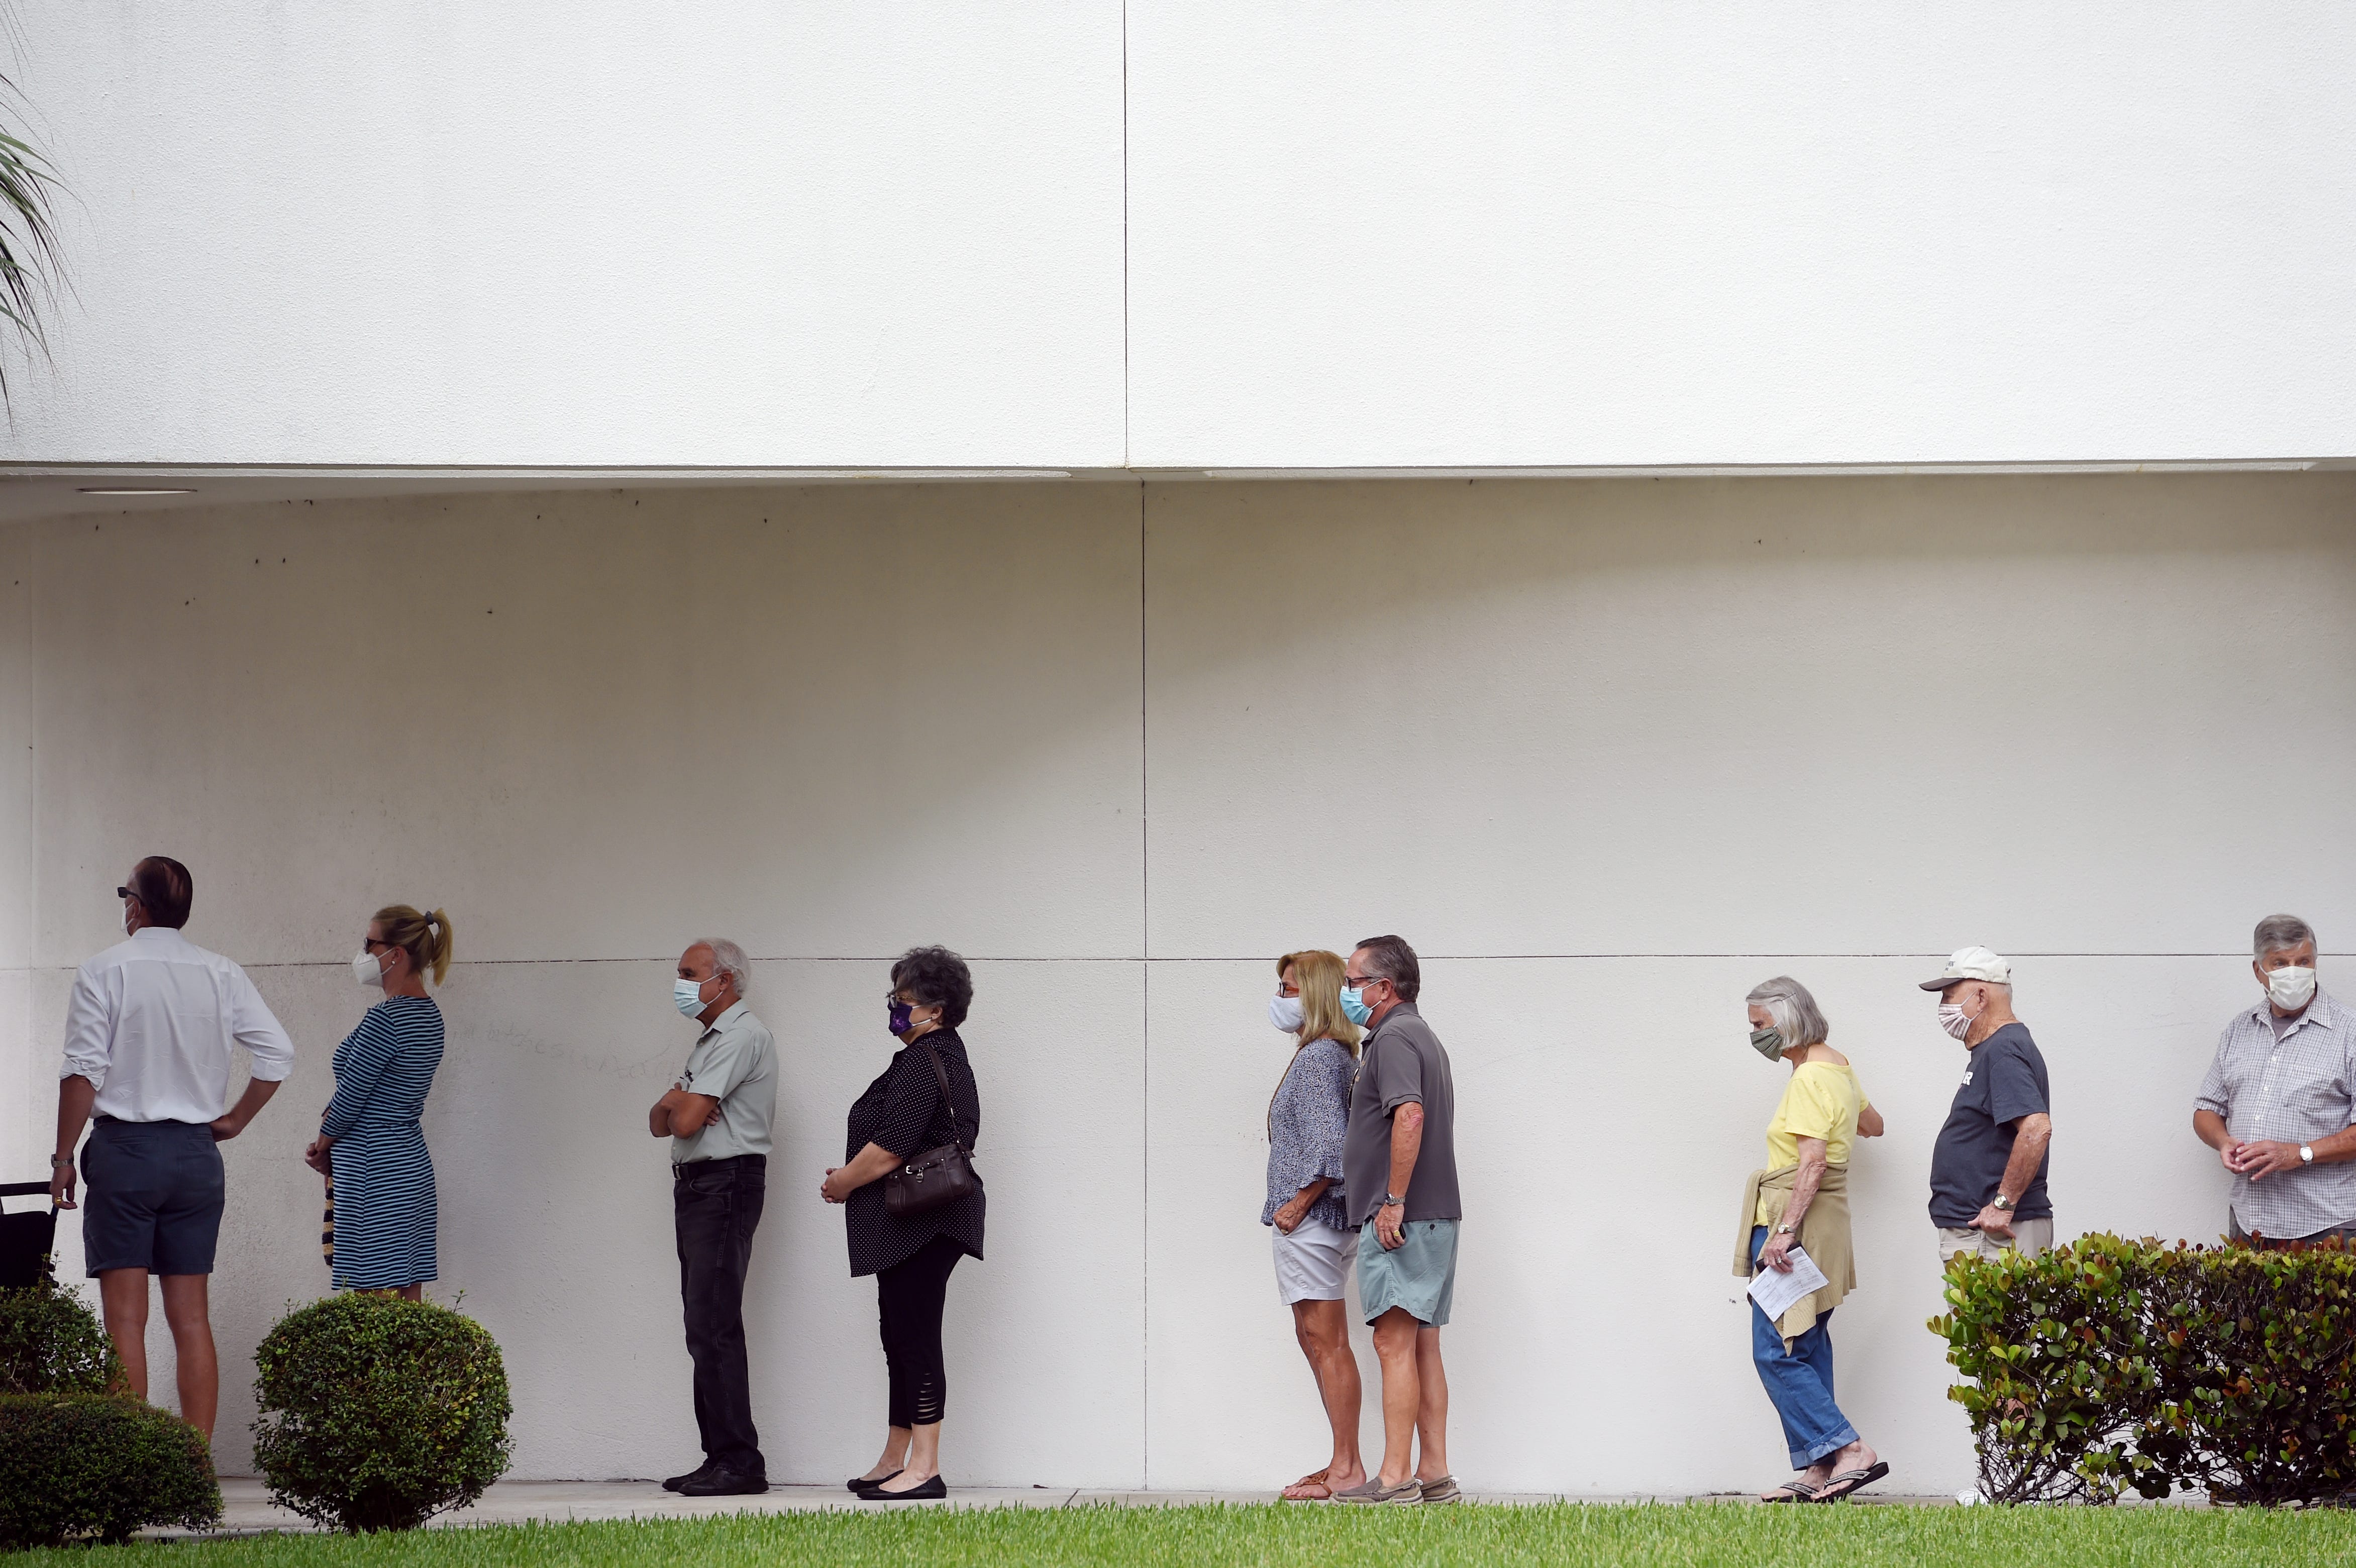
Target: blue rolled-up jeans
1799, 1379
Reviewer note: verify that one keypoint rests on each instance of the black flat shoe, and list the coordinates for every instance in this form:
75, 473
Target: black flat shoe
722, 1482
933, 1491
675, 1482
861, 1482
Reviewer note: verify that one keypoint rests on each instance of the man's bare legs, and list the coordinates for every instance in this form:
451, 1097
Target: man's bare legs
1396, 1332
122, 1297
1323, 1329
1432, 1408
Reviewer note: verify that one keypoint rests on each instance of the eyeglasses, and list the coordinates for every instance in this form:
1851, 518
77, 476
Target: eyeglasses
1284, 989
1360, 982
125, 893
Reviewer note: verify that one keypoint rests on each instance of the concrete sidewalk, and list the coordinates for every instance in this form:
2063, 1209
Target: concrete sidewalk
247, 1509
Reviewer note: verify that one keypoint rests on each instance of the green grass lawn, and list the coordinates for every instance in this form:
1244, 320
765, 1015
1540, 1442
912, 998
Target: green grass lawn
1846, 1537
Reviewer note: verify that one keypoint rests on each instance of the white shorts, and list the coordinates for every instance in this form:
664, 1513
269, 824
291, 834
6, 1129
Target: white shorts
1312, 1262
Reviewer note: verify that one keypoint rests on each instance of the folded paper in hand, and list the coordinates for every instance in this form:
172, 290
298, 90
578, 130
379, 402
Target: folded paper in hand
1775, 1292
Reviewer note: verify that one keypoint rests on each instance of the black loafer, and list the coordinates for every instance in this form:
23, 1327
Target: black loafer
861, 1482
933, 1491
721, 1481
673, 1483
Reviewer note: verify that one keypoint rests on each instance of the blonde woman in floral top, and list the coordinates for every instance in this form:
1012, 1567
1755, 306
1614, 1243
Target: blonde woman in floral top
1307, 1117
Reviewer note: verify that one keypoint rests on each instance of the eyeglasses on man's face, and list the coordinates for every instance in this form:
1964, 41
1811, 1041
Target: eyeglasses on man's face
1360, 982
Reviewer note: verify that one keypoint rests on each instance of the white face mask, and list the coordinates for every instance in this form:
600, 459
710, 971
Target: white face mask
1954, 1020
2290, 990
1285, 1012
368, 970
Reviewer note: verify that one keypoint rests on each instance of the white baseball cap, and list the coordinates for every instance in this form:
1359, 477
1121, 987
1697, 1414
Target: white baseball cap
1972, 963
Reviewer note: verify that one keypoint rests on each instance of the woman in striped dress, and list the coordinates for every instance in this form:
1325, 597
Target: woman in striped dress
370, 1144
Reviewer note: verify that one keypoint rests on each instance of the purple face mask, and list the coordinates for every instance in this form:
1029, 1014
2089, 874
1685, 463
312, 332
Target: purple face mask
902, 1019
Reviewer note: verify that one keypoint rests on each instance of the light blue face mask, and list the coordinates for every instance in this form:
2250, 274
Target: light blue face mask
687, 995
1353, 1005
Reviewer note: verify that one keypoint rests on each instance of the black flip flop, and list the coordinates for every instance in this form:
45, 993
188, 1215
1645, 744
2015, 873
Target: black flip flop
1801, 1493
1856, 1481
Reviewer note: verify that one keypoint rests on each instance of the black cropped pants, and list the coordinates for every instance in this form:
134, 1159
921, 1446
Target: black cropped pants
910, 1296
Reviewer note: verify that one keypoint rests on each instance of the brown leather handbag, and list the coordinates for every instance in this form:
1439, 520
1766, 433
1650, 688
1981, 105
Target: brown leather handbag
939, 1176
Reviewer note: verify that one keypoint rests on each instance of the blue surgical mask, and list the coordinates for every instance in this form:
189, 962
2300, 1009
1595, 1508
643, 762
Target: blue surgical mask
903, 1018
1353, 1005
687, 995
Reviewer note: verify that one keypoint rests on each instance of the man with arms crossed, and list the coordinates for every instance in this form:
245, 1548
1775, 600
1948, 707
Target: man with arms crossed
1398, 1169
2279, 1103
148, 1032
1987, 1169
717, 1117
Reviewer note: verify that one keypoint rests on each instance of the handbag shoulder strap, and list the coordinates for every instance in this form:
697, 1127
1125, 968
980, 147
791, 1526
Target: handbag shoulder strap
941, 1074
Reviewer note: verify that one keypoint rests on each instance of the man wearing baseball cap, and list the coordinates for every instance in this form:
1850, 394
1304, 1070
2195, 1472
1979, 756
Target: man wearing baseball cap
1987, 1170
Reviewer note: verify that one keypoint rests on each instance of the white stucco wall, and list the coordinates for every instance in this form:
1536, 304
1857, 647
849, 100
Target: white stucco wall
1194, 233
1609, 752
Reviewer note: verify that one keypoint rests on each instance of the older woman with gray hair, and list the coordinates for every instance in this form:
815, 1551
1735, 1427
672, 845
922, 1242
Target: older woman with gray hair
1800, 1202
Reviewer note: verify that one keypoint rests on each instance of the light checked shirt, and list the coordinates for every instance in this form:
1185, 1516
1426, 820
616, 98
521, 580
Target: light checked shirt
2294, 1089
151, 1023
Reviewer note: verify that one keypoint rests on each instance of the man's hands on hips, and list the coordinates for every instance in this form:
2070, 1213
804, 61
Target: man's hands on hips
2259, 1160
1390, 1225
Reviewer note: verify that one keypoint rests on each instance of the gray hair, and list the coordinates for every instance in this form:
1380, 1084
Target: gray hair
729, 959
1797, 1018
2279, 933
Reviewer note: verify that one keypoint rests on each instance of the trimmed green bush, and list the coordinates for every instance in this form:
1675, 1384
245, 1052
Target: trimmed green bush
2256, 1356
377, 1414
2111, 1364
77, 1465
51, 1343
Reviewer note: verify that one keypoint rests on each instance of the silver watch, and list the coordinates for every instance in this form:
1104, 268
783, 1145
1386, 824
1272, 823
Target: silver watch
2306, 1154
1392, 1198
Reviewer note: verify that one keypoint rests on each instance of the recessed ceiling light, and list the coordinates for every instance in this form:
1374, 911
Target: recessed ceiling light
141, 490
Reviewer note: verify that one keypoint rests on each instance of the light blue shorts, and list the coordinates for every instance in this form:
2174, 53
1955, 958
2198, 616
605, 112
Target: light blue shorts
1418, 1275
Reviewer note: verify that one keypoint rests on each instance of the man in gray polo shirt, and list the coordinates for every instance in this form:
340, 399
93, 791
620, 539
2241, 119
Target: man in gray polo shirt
2279, 1103
1399, 1170
717, 1117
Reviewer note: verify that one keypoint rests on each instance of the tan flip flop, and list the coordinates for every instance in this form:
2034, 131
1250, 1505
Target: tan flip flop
1314, 1478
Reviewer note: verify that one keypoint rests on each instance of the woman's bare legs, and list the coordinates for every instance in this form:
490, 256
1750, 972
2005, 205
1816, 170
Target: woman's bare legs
924, 1458
894, 1458
1322, 1328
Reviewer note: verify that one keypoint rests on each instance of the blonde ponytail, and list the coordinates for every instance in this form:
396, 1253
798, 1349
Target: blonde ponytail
424, 937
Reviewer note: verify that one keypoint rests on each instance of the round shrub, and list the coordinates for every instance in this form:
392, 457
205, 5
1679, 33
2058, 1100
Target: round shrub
51, 1343
377, 1414
77, 1465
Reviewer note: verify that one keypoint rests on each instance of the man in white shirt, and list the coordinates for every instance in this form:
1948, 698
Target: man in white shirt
148, 1035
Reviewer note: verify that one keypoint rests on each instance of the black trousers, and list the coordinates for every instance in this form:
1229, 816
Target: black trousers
910, 1296
716, 1204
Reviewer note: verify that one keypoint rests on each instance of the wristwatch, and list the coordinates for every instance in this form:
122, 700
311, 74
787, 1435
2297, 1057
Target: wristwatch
2306, 1154
62, 1159
1787, 1229
2000, 1203
1389, 1199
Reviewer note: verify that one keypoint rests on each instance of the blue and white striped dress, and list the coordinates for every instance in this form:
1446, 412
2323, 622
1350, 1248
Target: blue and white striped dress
385, 1211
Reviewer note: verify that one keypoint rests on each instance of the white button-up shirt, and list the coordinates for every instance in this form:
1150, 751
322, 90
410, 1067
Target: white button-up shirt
152, 1021
2294, 1089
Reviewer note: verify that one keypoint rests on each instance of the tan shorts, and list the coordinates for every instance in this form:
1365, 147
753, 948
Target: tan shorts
2030, 1238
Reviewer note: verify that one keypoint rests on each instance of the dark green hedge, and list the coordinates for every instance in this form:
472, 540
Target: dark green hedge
76, 1464
51, 1343
2111, 1365
377, 1414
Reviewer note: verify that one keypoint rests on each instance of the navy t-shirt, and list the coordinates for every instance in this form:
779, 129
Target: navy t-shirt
2003, 1082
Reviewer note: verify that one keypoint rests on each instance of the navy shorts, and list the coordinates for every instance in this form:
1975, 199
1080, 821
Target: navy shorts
153, 1194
